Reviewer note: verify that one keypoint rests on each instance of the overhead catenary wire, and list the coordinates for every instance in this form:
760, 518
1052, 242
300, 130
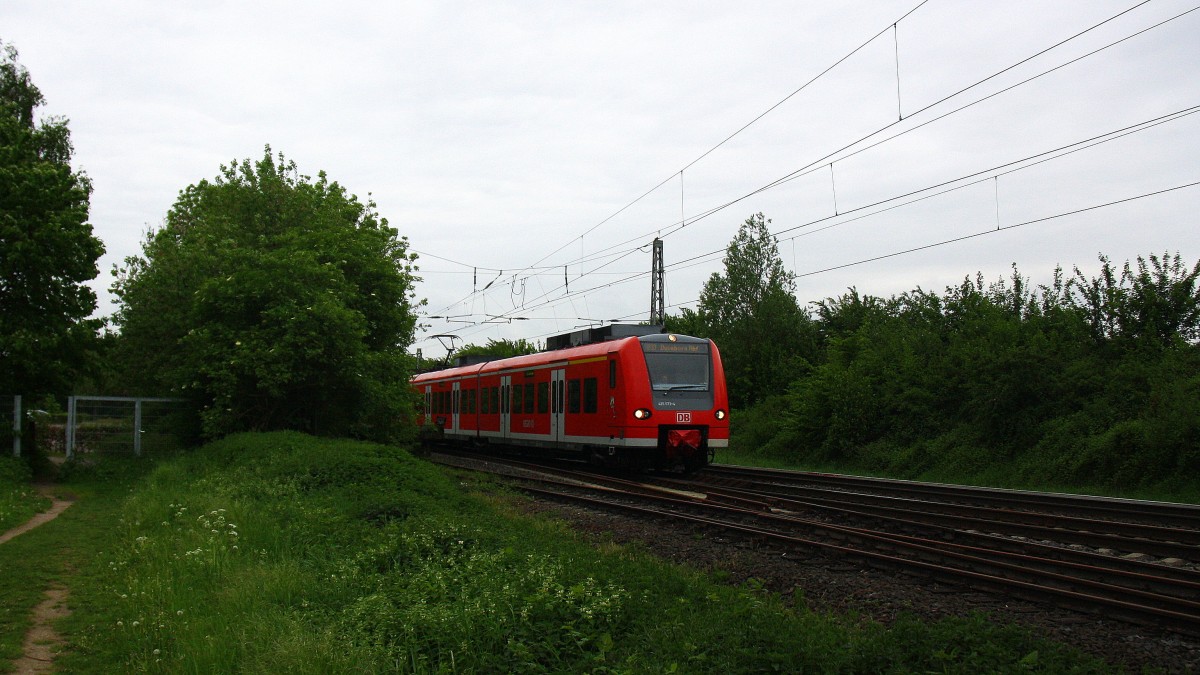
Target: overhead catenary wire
843, 153
638, 276
988, 174
727, 138
958, 184
837, 155
924, 247
999, 170
990, 231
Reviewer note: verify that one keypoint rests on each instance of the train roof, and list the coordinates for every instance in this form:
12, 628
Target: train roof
527, 360
547, 357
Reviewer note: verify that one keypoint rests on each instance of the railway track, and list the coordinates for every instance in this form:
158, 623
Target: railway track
956, 539
1090, 522
1165, 514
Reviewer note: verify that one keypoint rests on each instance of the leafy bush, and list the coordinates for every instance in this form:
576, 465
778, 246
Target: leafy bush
753, 427
1081, 382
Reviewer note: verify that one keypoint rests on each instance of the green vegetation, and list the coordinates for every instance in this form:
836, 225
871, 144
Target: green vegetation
1055, 387
49, 253
766, 339
285, 553
272, 301
1080, 384
497, 349
18, 499
52, 554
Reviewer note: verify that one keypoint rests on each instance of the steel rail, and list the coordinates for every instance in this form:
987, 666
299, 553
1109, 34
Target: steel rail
1130, 604
1071, 531
1164, 513
1134, 594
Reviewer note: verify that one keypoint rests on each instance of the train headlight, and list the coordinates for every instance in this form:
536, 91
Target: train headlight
720, 414
641, 414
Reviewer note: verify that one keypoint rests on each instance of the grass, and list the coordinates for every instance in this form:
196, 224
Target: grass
283, 553
18, 499
54, 552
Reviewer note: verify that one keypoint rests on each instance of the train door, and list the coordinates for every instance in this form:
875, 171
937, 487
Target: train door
428, 404
505, 406
614, 388
558, 387
455, 398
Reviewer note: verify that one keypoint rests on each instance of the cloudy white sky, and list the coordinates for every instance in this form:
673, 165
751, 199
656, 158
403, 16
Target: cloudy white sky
511, 140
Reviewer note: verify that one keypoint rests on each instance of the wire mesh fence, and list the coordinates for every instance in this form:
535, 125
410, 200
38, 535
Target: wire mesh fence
121, 425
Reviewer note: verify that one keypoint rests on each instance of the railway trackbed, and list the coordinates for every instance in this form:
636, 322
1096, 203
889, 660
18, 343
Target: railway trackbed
952, 541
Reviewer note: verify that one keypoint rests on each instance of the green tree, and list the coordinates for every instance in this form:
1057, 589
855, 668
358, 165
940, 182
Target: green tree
766, 339
1082, 381
498, 349
1157, 304
47, 250
273, 302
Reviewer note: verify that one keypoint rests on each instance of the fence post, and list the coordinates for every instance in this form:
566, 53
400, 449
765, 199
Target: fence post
137, 427
17, 426
70, 427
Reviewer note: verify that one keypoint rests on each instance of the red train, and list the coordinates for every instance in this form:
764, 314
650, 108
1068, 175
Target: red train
611, 395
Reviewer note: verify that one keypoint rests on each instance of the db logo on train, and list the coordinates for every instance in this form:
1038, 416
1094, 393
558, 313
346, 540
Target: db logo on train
683, 418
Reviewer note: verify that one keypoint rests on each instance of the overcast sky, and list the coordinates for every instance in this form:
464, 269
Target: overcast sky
519, 136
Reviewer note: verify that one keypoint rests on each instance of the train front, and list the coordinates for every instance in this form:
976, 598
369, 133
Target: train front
681, 404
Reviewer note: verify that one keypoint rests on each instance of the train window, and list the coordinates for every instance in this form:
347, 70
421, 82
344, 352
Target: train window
589, 395
518, 400
495, 399
470, 401
573, 398
677, 366
529, 398
543, 397
612, 374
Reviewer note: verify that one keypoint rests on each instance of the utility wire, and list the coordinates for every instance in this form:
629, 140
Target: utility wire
990, 230
728, 138
988, 174
800, 172
820, 163
944, 242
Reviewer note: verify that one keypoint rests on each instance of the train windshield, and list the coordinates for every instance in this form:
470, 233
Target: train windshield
677, 366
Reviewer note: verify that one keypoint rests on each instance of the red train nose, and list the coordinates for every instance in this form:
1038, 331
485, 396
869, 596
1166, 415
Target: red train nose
688, 437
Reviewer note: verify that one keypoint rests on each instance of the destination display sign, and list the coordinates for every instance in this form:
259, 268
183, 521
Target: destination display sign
675, 347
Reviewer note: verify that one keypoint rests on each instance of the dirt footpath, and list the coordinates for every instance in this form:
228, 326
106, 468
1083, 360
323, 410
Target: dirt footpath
42, 640
56, 508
